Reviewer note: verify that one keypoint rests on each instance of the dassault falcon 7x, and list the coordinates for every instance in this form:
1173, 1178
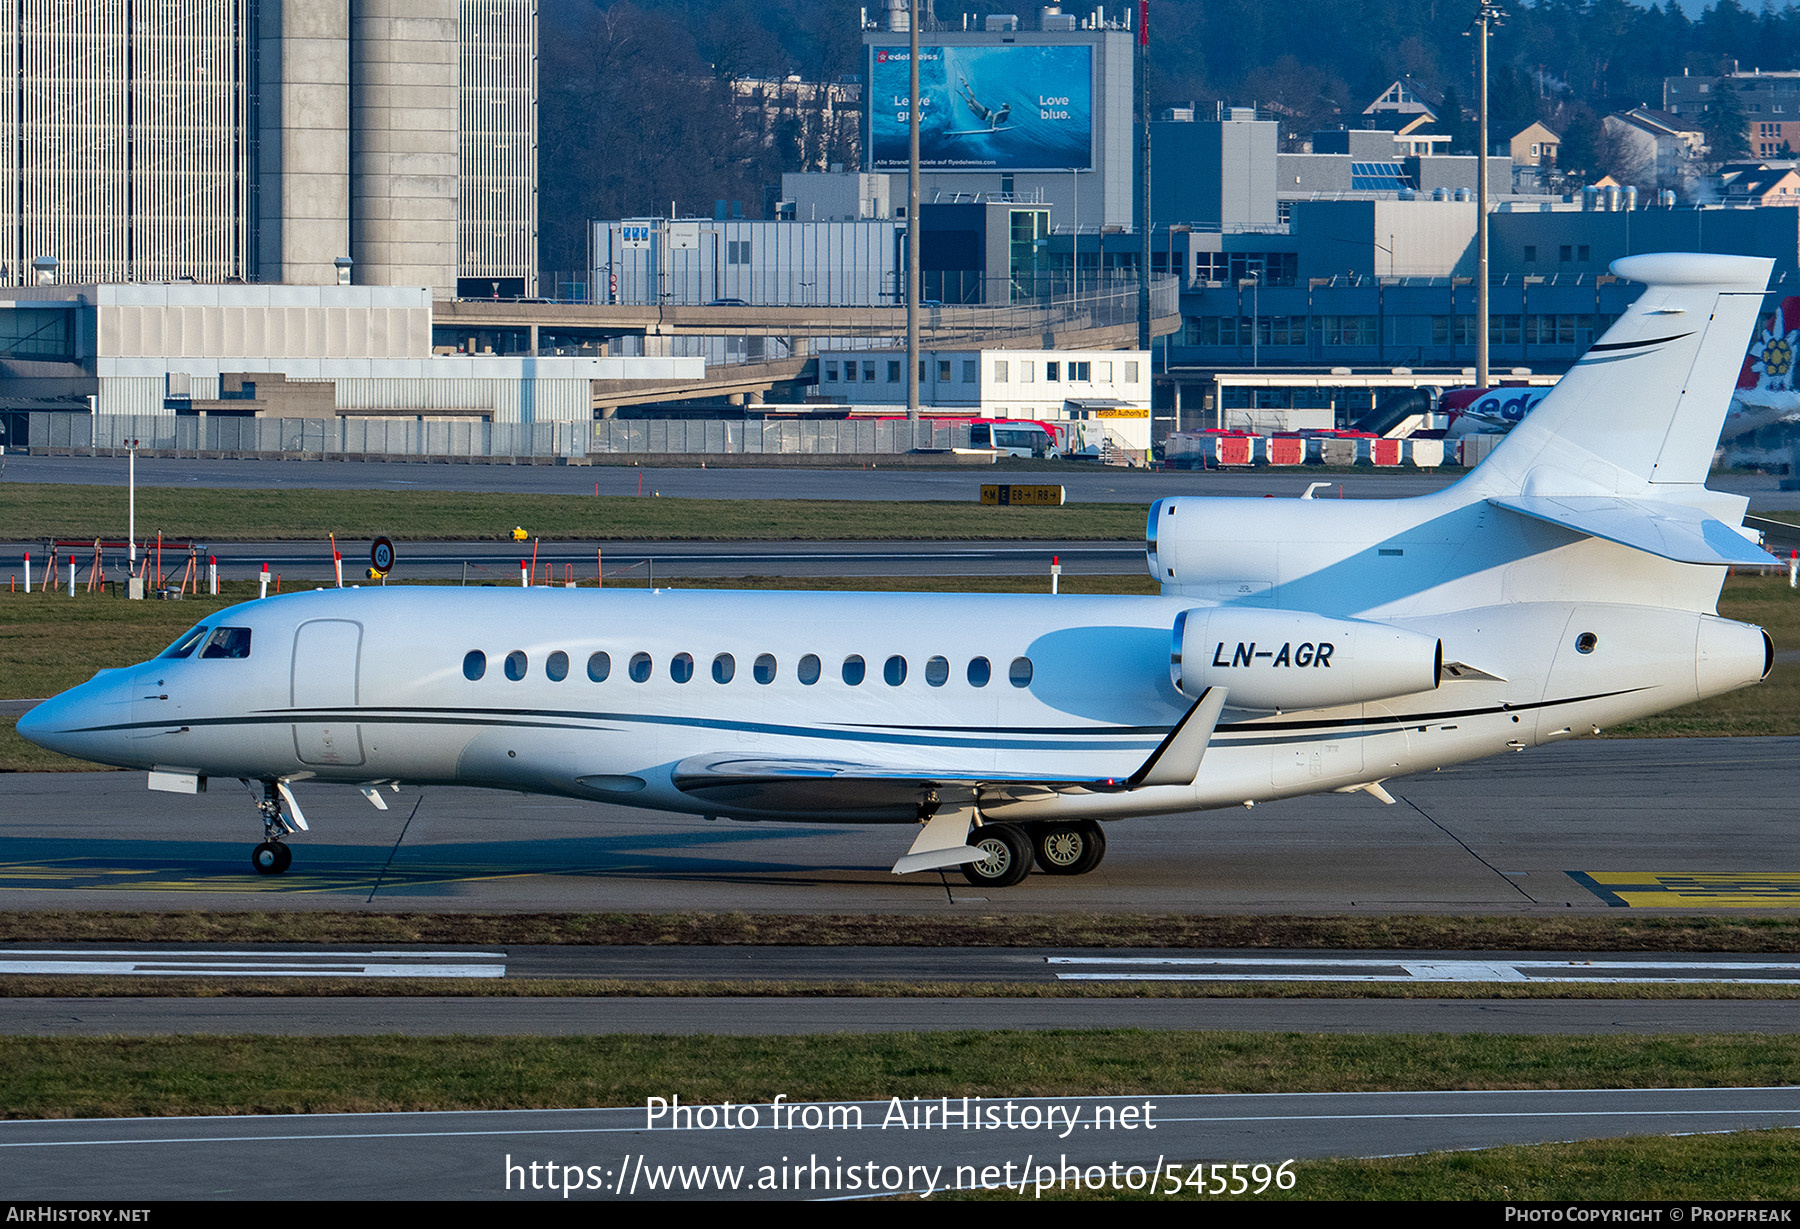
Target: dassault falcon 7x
1297, 646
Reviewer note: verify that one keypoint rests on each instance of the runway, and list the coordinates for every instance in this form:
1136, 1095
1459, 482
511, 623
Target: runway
1588, 825
855, 1149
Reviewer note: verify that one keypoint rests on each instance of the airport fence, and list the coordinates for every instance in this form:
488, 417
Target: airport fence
66, 433
793, 437
59, 432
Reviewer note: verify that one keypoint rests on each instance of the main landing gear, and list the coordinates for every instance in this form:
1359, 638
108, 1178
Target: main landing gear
1010, 849
273, 856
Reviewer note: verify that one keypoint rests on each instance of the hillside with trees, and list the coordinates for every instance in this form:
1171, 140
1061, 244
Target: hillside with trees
636, 112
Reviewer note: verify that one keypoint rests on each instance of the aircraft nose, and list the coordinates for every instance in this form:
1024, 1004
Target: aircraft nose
64, 723
41, 723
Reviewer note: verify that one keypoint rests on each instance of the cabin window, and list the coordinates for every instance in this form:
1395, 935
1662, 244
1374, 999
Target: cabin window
599, 666
474, 664
556, 666
894, 670
228, 642
516, 665
724, 668
853, 670
681, 667
808, 671
639, 668
980, 671
186, 645
763, 670
1019, 673
937, 671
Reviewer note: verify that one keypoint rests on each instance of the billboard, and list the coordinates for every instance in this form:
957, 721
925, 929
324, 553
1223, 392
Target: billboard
1006, 108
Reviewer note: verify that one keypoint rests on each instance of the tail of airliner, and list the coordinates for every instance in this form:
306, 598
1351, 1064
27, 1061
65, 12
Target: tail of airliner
1620, 448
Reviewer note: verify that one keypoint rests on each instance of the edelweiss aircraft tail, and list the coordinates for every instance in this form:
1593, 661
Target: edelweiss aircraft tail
1620, 448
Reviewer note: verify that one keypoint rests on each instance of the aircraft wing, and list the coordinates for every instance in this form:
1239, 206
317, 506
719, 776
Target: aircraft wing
1673, 531
872, 791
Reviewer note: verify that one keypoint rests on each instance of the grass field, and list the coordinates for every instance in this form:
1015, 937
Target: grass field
1741, 1165
80, 1077
34, 512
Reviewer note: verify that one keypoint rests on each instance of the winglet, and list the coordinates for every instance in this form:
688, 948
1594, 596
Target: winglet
1177, 760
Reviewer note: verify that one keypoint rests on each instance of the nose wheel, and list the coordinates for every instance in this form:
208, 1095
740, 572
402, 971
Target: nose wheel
273, 856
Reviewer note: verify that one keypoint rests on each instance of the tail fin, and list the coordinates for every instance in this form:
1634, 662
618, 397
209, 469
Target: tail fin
1643, 408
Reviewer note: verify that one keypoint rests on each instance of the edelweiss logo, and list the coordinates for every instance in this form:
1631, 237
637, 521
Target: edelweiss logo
1775, 357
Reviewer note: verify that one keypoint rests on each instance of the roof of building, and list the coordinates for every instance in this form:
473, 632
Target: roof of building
1755, 185
1412, 90
1653, 120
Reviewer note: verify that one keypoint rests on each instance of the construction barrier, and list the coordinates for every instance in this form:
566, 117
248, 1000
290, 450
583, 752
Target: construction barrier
1287, 450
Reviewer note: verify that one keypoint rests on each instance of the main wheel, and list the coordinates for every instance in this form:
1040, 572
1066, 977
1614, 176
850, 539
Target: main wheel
1070, 849
1006, 856
271, 858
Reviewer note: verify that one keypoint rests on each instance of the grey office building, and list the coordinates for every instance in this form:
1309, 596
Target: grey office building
263, 140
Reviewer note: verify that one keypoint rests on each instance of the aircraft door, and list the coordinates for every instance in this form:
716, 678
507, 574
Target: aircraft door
326, 653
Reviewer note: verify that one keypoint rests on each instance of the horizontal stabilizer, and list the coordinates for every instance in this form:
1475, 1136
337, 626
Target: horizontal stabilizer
1673, 531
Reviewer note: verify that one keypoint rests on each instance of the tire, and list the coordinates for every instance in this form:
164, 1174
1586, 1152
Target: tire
1007, 857
271, 858
1069, 849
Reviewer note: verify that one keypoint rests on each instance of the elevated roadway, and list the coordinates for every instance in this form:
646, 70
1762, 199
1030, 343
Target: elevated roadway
1074, 326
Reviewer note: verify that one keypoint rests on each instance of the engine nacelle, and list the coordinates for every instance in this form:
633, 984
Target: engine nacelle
1289, 659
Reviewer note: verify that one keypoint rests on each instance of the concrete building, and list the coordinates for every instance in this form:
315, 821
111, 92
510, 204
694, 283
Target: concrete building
818, 122
278, 351
1102, 397
1041, 114
1770, 102
707, 260
1664, 150
497, 218
1220, 172
839, 196
266, 140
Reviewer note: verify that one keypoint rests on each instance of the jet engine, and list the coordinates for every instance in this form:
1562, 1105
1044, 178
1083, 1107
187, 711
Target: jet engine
1288, 659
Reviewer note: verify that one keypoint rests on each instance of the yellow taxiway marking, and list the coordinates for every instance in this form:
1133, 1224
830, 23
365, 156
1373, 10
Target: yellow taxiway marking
1705, 889
85, 874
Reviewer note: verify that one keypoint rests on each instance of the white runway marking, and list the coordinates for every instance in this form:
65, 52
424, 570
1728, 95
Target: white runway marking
1308, 969
191, 963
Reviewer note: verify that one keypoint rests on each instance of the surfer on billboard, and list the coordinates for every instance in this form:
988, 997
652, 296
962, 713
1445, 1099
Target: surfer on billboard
994, 119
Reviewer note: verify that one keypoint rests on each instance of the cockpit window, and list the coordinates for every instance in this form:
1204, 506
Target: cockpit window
185, 646
228, 642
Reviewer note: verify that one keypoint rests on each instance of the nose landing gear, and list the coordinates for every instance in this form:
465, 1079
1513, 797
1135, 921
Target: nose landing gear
272, 856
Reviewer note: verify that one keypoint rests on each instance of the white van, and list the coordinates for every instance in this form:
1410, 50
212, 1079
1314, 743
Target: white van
1014, 439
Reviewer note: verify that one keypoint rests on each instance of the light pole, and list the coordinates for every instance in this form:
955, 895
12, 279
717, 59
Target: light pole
912, 213
1254, 281
131, 530
1487, 14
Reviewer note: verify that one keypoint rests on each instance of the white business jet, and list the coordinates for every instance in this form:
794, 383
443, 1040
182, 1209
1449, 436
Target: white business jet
1298, 646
